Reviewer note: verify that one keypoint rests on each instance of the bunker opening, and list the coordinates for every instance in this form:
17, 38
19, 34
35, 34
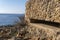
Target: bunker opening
56, 24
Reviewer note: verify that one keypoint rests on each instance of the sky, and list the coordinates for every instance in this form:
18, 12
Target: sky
12, 6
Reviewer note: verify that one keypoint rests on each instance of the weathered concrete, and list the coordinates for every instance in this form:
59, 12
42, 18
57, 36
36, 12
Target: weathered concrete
48, 10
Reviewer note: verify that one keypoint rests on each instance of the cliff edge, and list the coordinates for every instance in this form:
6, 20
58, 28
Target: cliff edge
43, 20
48, 10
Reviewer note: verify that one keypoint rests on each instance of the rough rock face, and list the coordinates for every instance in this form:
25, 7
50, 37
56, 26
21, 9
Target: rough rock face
41, 32
48, 10
47, 13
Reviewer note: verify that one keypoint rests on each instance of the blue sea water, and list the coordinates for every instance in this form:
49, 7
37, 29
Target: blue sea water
6, 19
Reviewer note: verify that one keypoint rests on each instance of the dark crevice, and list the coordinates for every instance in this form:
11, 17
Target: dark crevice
45, 22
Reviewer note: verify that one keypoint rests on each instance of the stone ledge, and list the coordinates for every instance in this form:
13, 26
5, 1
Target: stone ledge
42, 32
48, 10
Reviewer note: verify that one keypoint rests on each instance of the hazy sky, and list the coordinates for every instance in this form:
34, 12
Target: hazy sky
12, 6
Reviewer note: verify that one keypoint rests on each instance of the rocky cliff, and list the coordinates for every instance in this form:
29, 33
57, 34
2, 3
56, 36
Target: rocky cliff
48, 10
41, 32
43, 19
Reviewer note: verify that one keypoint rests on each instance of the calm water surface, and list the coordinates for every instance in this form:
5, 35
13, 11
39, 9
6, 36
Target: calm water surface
6, 19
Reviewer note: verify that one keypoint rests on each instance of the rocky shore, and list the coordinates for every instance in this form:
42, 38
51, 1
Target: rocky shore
41, 22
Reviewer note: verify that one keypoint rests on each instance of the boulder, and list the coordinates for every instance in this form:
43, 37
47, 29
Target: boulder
48, 10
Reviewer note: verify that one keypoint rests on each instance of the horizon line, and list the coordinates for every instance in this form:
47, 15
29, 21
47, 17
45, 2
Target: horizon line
12, 13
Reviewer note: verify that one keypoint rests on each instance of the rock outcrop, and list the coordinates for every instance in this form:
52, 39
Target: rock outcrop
48, 10
42, 32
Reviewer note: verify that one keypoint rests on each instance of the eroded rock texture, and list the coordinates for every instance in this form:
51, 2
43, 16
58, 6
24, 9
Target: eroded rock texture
48, 10
41, 32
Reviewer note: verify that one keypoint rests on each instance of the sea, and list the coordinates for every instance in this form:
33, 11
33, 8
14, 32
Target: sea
9, 19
